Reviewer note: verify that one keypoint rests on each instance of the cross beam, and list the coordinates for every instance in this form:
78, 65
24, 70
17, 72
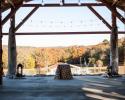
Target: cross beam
64, 33
64, 5
12, 13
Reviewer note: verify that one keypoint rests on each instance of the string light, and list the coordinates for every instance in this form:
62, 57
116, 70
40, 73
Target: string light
51, 22
79, 2
61, 3
68, 24
81, 21
24, 2
41, 21
71, 22
43, 3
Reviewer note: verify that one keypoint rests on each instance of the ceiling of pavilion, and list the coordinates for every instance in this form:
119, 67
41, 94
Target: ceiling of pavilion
6, 3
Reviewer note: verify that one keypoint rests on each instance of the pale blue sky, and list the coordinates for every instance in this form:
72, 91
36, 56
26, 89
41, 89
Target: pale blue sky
61, 19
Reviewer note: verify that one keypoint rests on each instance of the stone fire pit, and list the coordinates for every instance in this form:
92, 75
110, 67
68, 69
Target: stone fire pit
63, 71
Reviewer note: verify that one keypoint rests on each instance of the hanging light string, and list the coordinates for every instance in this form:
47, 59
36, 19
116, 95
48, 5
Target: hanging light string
61, 2
42, 3
79, 2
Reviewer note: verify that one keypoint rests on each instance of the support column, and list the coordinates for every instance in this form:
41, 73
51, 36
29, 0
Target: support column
124, 52
114, 45
1, 67
124, 47
12, 48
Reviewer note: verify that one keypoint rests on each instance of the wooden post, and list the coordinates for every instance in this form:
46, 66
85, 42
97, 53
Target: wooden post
114, 45
124, 55
1, 67
12, 48
124, 51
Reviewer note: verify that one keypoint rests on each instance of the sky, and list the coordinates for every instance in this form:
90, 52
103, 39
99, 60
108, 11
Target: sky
61, 19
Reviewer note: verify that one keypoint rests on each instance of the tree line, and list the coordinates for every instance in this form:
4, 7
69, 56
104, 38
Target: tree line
95, 55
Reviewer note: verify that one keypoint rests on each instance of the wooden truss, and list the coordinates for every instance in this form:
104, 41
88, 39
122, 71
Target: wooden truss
12, 31
89, 5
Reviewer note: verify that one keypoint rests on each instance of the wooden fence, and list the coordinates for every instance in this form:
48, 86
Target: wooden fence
75, 71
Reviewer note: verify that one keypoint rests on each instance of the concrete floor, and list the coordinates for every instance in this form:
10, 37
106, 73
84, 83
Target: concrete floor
80, 88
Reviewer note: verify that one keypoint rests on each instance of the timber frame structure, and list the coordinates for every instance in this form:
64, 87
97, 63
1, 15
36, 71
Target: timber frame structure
110, 4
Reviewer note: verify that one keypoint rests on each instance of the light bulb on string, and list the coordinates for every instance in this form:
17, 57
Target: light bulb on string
79, 2
24, 2
41, 21
81, 21
50, 25
42, 3
51, 22
61, 3
61, 22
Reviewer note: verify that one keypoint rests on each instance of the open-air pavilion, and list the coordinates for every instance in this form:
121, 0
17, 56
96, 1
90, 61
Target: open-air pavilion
46, 88
112, 5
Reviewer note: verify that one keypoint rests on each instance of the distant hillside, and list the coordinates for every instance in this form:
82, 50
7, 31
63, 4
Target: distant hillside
91, 55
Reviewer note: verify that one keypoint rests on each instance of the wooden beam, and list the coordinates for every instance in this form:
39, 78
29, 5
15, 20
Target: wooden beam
111, 8
25, 19
12, 48
8, 6
5, 9
121, 8
114, 46
100, 17
1, 64
64, 5
64, 33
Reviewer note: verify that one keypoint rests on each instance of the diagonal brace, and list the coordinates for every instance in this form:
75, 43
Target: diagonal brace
112, 9
25, 19
100, 17
10, 15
